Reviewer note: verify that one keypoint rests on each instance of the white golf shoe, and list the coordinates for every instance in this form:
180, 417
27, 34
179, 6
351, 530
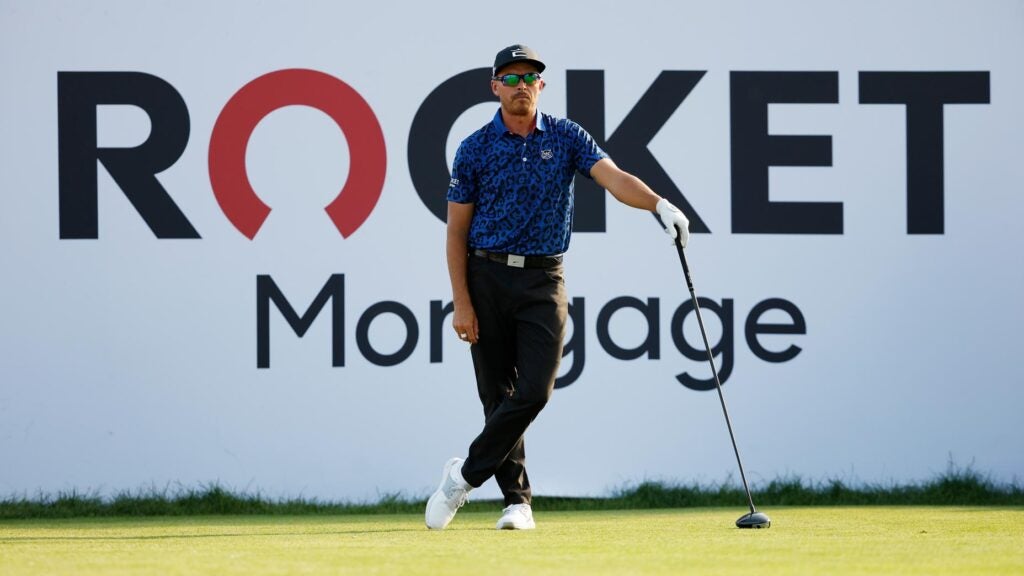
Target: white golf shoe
449, 497
516, 517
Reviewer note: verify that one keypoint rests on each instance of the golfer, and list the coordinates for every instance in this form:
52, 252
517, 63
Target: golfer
510, 207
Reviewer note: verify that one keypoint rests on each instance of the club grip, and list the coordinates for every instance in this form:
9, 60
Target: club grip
682, 259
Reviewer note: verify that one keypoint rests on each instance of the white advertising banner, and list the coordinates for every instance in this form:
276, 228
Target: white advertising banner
223, 242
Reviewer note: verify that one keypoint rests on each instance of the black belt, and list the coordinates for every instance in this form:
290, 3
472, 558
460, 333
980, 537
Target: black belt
517, 261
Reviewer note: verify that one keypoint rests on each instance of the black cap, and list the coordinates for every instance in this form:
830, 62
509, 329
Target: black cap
517, 53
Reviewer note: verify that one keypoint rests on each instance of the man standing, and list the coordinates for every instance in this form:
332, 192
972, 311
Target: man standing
510, 207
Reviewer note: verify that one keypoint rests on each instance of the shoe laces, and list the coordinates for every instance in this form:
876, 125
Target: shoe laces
455, 494
523, 509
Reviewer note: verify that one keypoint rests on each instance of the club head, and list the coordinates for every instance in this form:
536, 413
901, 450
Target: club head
754, 520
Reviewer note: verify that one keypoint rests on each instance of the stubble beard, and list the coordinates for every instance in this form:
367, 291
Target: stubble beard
520, 107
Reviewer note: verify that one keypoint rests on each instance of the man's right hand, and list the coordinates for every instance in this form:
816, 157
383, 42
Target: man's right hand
464, 321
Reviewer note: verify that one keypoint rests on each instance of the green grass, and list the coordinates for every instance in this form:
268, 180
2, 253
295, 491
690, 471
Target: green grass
956, 487
803, 540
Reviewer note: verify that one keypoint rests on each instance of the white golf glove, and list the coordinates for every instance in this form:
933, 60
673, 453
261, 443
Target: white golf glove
672, 217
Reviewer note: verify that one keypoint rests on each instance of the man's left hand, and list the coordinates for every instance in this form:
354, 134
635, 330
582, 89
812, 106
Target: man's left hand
672, 217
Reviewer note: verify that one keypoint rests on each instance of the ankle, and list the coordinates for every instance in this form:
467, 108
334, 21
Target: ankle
456, 475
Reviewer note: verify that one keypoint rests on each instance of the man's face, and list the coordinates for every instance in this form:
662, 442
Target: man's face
518, 100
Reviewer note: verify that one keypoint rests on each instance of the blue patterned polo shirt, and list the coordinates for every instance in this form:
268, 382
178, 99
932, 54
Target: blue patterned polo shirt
522, 188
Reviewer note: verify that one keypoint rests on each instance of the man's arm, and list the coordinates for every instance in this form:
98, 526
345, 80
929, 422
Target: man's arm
632, 191
626, 188
464, 316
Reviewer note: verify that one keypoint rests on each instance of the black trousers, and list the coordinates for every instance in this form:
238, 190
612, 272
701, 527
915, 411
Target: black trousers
522, 314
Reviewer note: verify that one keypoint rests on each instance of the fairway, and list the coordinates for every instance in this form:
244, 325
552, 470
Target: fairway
853, 540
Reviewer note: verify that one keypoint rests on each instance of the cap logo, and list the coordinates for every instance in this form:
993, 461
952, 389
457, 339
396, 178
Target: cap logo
518, 53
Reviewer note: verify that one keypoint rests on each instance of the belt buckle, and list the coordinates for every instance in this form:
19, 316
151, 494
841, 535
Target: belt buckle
516, 261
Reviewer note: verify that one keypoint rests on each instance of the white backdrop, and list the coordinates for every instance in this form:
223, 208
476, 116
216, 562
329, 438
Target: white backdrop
130, 361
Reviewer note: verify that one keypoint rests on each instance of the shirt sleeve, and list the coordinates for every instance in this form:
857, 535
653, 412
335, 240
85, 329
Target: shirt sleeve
463, 186
586, 151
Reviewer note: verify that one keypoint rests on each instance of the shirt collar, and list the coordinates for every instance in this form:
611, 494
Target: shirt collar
499, 124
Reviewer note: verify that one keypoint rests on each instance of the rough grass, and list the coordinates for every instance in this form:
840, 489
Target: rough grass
839, 541
956, 487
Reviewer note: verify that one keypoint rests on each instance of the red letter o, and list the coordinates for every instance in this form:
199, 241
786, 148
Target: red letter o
257, 99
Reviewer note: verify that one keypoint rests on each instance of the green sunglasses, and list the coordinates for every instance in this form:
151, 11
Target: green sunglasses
513, 79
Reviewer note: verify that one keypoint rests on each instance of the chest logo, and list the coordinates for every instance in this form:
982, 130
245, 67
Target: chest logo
547, 154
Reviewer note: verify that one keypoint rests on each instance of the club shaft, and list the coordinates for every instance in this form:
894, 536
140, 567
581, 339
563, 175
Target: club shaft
714, 372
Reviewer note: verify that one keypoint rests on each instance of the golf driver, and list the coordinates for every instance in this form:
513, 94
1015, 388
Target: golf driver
754, 519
